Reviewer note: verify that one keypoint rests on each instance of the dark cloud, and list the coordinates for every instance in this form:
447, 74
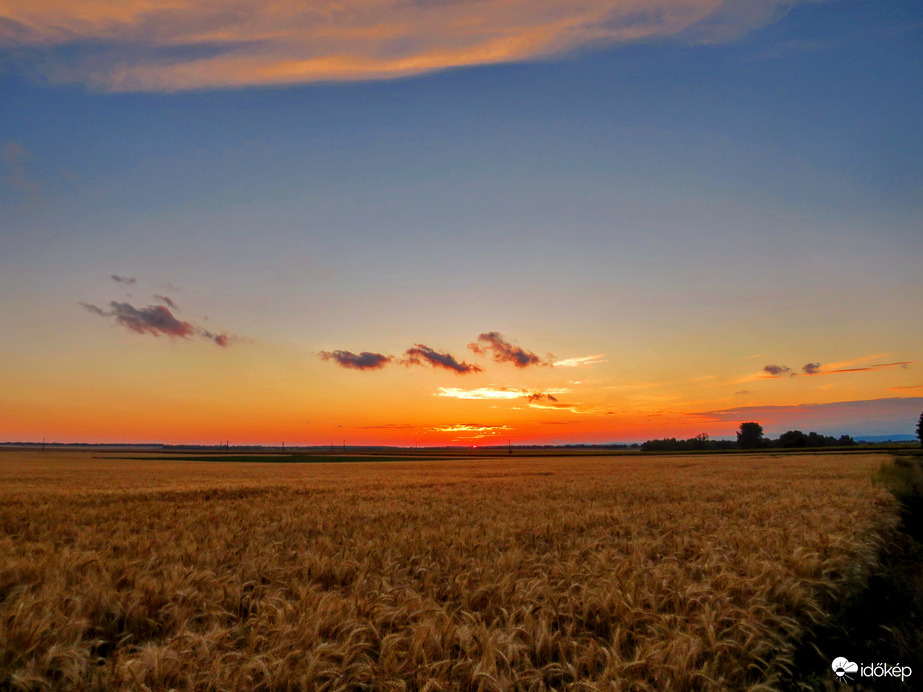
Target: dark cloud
356, 361
156, 320
388, 426
503, 351
877, 366
122, 279
221, 339
811, 368
778, 370
538, 396
166, 301
421, 355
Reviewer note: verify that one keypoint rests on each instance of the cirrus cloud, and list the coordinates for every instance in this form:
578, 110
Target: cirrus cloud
142, 45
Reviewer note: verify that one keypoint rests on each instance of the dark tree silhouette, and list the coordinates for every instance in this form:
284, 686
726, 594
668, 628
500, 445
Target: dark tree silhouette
920, 430
795, 438
750, 435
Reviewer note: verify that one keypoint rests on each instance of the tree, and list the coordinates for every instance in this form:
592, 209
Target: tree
795, 438
920, 430
750, 435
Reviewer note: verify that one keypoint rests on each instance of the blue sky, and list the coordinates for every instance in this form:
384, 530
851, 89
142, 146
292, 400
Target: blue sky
671, 203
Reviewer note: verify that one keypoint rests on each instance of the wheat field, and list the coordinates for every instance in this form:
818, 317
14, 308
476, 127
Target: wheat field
595, 573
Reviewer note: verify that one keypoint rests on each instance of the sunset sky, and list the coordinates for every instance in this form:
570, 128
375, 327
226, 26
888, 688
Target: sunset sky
426, 223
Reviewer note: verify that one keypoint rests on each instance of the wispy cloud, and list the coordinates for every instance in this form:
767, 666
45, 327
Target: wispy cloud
13, 157
869, 417
501, 393
221, 339
558, 406
422, 355
388, 426
156, 320
503, 351
470, 427
356, 361
165, 300
869, 368
578, 362
912, 386
126, 280
545, 400
137, 45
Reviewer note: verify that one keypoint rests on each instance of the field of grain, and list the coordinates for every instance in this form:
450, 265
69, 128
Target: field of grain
614, 573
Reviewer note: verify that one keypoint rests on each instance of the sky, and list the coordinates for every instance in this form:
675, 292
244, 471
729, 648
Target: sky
459, 223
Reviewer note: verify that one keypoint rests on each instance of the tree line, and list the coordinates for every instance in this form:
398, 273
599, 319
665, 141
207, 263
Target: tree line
749, 436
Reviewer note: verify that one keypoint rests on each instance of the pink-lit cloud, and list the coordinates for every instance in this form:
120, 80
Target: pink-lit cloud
144, 45
580, 362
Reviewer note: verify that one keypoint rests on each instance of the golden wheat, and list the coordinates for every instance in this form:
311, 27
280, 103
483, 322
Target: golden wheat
683, 573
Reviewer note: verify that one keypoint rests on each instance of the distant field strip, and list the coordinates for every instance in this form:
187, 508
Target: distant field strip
621, 573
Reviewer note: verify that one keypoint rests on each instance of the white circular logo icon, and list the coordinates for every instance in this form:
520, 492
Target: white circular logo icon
843, 666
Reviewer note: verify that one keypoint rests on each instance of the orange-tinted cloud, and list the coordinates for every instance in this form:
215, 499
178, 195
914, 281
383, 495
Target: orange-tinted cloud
869, 417
170, 45
502, 393
470, 427
581, 361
